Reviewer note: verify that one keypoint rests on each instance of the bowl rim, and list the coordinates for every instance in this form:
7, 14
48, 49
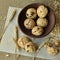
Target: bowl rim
37, 7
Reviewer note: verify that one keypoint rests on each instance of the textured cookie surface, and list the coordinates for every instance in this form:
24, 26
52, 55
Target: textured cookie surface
43, 22
29, 23
37, 30
22, 41
42, 11
31, 13
30, 47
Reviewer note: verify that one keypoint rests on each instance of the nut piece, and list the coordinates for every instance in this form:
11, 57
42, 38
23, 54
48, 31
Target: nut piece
29, 23
30, 47
57, 43
22, 41
52, 51
42, 11
37, 30
7, 55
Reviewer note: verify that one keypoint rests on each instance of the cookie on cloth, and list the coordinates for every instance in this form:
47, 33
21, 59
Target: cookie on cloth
30, 47
22, 41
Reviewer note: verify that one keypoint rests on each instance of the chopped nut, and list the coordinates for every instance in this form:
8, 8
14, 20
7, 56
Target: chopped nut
57, 43
7, 55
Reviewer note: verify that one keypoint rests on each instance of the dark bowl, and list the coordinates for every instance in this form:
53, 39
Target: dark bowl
50, 17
